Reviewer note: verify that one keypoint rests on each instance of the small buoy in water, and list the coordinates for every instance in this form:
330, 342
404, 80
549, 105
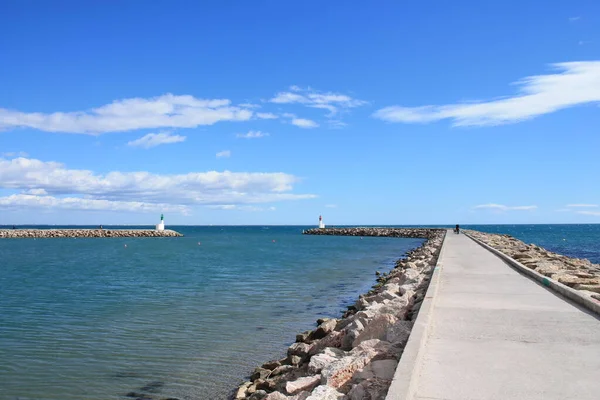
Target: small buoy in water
564, 239
125, 245
199, 243
273, 240
361, 238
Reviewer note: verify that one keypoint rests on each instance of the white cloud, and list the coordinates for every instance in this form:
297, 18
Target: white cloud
156, 139
249, 105
336, 124
252, 135
304, 123
332, 102
29, 201
240, 207
573, 19
331, 205
194, 188
266, 116
501, 207
586, 212
10, 154
582, 205
224, 154
577, 83
166, 111
36, 192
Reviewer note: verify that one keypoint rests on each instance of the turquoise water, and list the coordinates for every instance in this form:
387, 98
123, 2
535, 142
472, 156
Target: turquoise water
93, 319
187, 317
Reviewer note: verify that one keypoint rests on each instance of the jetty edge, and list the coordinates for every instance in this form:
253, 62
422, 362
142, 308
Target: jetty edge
84, 233
354, 357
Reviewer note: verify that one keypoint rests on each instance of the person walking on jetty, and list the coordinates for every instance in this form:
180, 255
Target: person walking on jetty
457, 229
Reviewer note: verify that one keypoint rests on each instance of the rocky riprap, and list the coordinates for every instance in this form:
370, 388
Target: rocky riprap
354, 357
420, 233
579, 274
83, 233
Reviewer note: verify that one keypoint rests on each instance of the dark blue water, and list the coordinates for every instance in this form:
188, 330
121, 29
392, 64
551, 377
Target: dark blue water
573, 240
93, 319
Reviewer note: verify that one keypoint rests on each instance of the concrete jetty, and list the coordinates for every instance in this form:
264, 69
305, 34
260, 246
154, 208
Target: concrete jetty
84, 233
485, 331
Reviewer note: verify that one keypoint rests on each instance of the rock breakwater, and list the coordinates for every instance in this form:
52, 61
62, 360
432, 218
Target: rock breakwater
354, 357
579, 274
419, 233
84, 233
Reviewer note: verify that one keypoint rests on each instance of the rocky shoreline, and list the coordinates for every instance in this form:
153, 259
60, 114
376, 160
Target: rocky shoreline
579, 274
83, 233
354, 357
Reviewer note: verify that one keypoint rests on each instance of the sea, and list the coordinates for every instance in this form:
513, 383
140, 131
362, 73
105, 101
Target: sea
191, 317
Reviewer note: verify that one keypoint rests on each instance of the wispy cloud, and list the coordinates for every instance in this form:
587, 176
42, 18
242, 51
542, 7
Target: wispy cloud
331, 205
577, 83
19, 201
252, 135
249, 105
241, 207
304, 123
587, 212
156, 139
36, 192
502, 207
166, 111
10, 154
39, 178
266, 116
332, 102
573, 19
583, 205
224, 154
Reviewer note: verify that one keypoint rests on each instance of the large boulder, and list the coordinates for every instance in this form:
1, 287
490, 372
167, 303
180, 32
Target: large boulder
334, 339
306, 383
299, 349
325, 392
324, 329
380, 369
376, 329
321, 360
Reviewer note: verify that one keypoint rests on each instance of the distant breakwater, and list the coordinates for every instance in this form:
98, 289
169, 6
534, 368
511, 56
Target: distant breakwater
83, 233
418, 233
354, 357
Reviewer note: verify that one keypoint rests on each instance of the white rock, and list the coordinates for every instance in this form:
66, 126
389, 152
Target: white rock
399, 332
339, 372
325, 392
302, 384
376, 329
334, 339
276, 396
319, 361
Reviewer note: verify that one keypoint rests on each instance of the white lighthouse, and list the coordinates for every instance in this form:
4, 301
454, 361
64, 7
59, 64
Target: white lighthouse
321, 224
161, 226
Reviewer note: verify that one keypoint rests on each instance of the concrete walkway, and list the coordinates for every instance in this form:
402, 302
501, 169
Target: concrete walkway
496, 334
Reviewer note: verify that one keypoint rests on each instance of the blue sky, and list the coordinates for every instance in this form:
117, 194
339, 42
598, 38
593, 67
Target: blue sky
267, 112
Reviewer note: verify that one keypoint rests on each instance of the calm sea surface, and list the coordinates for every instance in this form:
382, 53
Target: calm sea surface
187, 317
183, 317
